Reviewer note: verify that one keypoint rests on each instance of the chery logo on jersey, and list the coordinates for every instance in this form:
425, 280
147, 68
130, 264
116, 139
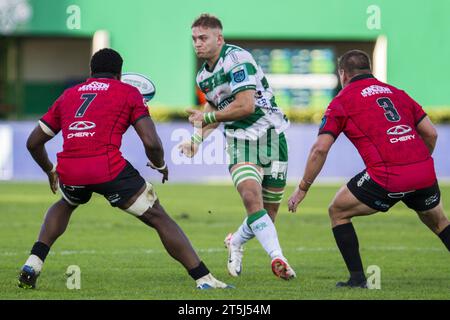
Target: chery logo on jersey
399, 130
80, 135
82, 125
404, 138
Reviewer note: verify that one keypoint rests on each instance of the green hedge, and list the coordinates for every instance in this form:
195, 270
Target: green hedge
441, 115
164, 114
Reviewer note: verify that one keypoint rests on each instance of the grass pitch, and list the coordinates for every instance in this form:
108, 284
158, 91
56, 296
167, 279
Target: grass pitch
121, 258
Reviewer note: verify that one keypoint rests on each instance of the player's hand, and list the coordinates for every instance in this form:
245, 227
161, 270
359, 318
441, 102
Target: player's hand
165, 173
53, 181
295, 199
188, 148
196, 118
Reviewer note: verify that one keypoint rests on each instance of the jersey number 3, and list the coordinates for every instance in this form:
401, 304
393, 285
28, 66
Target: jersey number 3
88, 98
390, 112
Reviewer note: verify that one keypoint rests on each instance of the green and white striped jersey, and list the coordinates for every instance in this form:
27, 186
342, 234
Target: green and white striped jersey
235, 71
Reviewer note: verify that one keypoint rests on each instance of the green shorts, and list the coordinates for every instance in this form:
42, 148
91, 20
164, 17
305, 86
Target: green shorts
270, 152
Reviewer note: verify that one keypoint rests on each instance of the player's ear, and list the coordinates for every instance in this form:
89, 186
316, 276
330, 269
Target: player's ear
220, 39
342, 77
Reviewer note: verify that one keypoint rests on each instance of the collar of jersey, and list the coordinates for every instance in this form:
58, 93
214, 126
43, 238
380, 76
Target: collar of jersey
107, 75
361, 77
222, 51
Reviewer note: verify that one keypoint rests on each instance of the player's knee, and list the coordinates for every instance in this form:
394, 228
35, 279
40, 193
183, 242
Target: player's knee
334, 212
150, 218
434, 218
434, 221
155, 216
249, 196
441, 223
331, 210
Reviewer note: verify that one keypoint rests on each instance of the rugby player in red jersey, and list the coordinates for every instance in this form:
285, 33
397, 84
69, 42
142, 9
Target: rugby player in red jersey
395, 139
92, 117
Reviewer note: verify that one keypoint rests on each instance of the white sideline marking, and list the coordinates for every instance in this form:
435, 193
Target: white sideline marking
215, 250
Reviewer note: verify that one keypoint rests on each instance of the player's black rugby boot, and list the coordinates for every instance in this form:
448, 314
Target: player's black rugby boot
27, 278
353, 282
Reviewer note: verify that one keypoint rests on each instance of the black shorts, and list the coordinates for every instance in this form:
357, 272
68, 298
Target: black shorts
375, 196
118, 191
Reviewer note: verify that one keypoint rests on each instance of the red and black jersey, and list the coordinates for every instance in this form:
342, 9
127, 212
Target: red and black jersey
93, 116
380, 120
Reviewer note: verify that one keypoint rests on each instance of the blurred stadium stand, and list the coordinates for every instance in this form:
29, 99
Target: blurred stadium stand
45, 47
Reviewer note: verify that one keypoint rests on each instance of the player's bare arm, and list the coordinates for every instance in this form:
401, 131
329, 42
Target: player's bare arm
36, 146
242, 106
316, 160
428, 133
146, 131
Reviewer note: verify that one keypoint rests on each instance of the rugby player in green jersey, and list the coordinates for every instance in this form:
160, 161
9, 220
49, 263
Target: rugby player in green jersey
239, 96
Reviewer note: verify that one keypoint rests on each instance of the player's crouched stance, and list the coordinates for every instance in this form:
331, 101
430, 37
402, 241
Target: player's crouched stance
104, 107
144, 205
396, 139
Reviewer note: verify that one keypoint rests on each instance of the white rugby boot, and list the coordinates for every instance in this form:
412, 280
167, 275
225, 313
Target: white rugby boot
209, 282
235, 254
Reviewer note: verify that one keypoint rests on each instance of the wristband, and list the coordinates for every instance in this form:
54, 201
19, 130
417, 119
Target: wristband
196, 139
209, 117
151, 165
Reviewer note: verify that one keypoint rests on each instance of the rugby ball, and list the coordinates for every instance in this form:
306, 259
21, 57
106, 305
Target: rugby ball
142, 83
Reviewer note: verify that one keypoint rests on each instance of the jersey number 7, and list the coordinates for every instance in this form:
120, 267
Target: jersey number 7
88, 98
